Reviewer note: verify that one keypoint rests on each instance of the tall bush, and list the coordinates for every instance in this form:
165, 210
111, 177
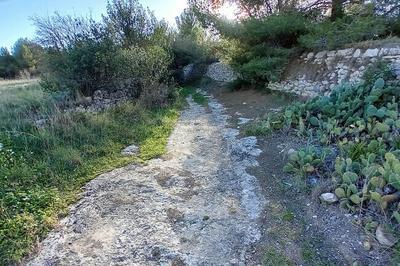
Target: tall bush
146, 72
332, 35
127, 50
262, 47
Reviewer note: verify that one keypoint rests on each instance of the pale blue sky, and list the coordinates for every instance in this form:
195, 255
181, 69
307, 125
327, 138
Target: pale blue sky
15, 14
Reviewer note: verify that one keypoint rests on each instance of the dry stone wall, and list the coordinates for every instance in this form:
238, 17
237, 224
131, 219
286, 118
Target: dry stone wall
221, 72
318, 73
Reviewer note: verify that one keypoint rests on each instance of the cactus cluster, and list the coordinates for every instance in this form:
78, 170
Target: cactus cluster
362, 123
306, 161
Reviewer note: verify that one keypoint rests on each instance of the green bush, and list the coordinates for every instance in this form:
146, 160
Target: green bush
394, 26
145, 70
262, 69
188, 51
328, 35
8, 64
262, 47
277, 30
84, 56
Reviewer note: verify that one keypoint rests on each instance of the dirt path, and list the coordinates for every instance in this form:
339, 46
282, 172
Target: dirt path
216, 198
196, 206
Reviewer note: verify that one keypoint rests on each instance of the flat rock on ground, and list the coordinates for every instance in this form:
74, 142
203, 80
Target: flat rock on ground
197, 206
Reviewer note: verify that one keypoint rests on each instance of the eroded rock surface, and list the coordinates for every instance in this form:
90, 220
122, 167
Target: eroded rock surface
198, 206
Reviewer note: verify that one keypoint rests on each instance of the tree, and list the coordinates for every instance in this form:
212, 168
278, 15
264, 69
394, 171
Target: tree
130, 23
189, 26
24, 54
8, 64
247, 8
62, 32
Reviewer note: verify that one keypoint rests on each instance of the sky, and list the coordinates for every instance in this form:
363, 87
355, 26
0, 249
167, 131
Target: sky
15, 14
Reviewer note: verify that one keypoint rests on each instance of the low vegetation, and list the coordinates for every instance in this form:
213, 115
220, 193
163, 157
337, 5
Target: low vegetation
269, 34
355, 134
197, 96
43, 168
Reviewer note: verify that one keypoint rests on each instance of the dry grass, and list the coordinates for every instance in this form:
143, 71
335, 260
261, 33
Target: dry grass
10, 83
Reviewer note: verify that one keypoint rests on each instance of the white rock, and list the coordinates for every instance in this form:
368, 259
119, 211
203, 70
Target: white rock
187, 70
243, 120
310, 56
130, 150
320, 55
357, 53
221, 72
384, 237
367, 245
41, 123
345, 52
389, 51
328, 198
331, 53
371, 52
291, 151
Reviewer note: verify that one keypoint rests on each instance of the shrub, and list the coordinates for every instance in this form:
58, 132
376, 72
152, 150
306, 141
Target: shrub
277, 30
145, 71
85, 67
187, 51
262, 47
332, 35
394, 26
263, 69
8, 64
84, 56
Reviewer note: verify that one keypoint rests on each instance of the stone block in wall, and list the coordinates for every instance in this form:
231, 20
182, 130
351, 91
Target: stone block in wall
357, 53
187, 71
371, 52
310, 56
321, 54
345, 52
394, 51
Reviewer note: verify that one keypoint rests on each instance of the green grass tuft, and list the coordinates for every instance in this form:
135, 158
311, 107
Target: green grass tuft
197, 97
274, 257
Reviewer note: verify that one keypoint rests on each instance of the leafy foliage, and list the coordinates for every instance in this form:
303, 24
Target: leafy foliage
129, 23
84, 55
332, 35
8, 64
262, 47
191, 45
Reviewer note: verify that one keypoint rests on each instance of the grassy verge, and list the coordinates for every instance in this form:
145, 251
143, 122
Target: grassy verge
43, 169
